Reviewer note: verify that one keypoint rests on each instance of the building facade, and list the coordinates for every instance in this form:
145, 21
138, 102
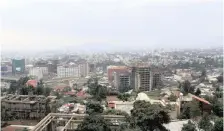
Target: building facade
122, 81
27, 106
38, 72
84, 69
143, 78
18, 66
68, 71
117, 69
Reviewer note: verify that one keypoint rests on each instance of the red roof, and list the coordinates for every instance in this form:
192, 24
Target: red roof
69, 93
60, 87
32, 83
201, 99
12, 128
81, 93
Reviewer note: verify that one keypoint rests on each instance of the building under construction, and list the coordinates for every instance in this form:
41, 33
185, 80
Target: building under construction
69, 122
143, 78
27, 106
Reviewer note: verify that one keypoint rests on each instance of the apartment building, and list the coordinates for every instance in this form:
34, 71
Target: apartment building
68, 71
38, 72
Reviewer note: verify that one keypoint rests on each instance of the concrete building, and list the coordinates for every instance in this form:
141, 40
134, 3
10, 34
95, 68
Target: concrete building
143, 78
156, 80
83, 68
69, 122
38, 72
122, 81
117, 69
68, 71
27, 106
52, 66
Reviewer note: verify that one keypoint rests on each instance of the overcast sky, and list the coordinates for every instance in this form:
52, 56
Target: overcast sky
36, 25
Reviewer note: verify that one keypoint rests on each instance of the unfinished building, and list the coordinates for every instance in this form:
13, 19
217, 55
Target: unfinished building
69, 122
27, 106
143, 78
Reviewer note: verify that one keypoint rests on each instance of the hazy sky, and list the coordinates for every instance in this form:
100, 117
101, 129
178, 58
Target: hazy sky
36, 25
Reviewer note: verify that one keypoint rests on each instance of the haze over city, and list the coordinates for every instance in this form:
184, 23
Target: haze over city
33, 26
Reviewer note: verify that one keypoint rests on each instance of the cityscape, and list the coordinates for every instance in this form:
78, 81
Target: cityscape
110, 87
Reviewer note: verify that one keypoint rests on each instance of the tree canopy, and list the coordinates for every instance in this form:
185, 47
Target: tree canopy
189, 127
124, 96
218, 125
94, 123
149, 117
93, 108
205, 123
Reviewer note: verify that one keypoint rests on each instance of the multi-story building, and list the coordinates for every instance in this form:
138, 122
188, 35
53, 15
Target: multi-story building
156, 79
68, 71
144, 79
122, 81
27, 106
83, 68
18, 66
52, 66
117, 69
38, 72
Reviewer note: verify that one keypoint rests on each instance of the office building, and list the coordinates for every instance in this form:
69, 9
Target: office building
68, 71
38, 72
18, 66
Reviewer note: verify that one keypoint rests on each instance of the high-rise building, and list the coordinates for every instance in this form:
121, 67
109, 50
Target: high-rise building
38, 72
83, 68
68, 71
122, 81
145, 79
18, 66
117, 69
52, 66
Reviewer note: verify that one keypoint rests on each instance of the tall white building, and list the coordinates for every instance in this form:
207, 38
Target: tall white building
38, 72
68, 71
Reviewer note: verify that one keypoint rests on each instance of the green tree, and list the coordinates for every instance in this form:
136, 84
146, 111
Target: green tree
189, 127
217, 108
205, 123
190, 110
93, 108
198, 92
99, 92
187, 88
195, 110
94, 123
124, 96
172, 97
218, 125
220, 79
149, 117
